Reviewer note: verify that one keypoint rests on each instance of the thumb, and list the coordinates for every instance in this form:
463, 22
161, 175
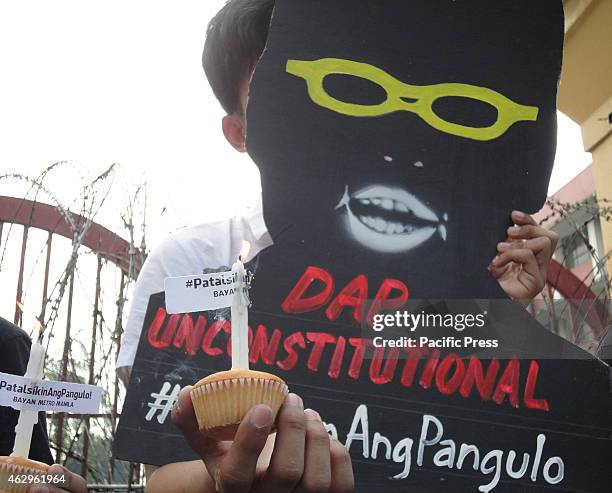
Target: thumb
236, 471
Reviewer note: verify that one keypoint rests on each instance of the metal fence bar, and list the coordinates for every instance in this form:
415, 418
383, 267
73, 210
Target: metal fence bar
43, 306
114, 487
59, 436
117, 340
18, 309
92, 357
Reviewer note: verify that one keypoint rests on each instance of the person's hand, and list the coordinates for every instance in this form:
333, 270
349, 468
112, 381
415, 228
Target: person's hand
303, 457
67, 482
522, 262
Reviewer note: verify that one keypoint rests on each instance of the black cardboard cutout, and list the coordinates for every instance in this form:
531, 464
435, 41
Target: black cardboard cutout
178, 350
323, 165
310, 155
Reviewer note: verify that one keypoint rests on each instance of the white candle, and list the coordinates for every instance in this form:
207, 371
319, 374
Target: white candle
240, 315
29, 417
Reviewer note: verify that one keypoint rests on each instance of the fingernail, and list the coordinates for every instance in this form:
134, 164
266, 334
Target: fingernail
514, 230
312, 415
503, 245
518, 214
177, 404
294, 400
261, 416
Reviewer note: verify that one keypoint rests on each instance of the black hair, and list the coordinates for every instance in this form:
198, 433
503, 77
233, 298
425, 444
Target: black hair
235, 39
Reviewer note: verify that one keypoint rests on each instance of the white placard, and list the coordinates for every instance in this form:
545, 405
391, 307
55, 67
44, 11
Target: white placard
188, 294
45, 395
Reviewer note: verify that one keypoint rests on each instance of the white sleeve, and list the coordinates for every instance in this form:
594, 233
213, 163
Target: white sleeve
185, 253
150, 281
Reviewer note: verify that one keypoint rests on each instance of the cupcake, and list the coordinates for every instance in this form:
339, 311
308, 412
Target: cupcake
11, 466
221, 400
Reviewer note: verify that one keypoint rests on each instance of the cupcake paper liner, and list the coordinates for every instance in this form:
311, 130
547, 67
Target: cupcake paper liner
7, 469
225, 402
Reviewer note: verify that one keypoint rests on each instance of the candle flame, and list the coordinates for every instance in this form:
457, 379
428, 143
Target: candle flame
244, 251
39, 328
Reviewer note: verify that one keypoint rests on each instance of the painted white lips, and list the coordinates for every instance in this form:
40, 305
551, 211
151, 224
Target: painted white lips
389, 220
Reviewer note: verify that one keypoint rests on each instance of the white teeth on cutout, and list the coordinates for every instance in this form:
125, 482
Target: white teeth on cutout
391, 235
378, 193
401, 207
387, 204
391, 228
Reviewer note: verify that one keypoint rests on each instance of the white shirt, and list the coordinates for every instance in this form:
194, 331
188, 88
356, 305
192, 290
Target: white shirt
188, 252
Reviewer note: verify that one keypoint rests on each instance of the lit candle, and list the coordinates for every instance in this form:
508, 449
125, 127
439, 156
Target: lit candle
240, 314
29, 417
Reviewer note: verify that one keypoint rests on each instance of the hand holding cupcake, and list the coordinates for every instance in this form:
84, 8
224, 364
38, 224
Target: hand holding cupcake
223, 399
299, 456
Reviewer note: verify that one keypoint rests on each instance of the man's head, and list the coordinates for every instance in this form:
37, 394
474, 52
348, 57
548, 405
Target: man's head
235, 40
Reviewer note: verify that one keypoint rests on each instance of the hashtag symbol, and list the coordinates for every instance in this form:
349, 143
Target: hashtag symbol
163, 402
189, 283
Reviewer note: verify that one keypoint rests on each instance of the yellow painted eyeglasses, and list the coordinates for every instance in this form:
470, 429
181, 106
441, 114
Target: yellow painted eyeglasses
422, 97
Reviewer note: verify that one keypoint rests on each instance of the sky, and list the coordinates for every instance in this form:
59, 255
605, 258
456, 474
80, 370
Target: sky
105, 82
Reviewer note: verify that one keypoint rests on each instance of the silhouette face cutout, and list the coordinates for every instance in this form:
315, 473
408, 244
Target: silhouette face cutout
399, 136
